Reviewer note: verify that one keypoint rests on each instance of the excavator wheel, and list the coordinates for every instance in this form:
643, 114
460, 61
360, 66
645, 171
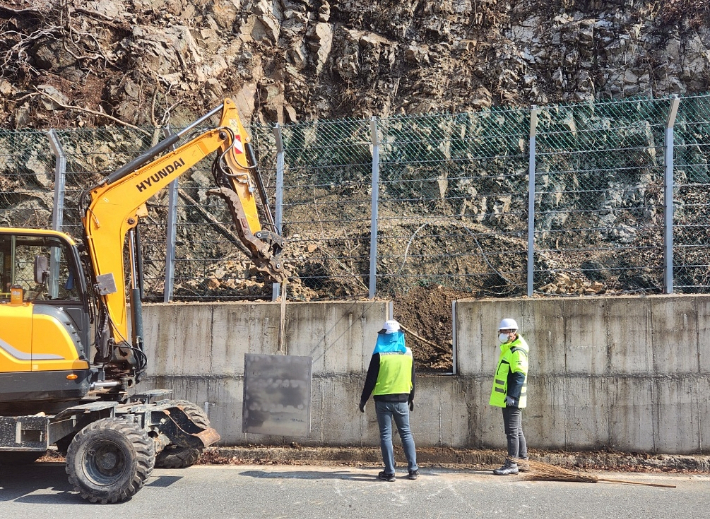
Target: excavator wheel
109, 460
174, 456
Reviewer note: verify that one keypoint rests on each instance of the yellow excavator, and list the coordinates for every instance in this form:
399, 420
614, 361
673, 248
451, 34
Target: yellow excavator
71, 331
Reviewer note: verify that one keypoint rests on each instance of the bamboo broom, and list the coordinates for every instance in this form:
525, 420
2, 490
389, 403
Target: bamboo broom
540, 471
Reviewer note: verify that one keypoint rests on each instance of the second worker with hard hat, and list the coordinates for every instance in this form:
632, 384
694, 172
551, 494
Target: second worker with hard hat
510, 393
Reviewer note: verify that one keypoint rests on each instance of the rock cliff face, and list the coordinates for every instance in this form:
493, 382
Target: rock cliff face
149, 62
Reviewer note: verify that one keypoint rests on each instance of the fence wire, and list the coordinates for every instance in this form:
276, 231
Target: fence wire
452, 202
326, 207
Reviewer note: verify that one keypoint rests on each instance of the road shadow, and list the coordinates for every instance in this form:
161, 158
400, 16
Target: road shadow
349, 475
157, 480
18, 482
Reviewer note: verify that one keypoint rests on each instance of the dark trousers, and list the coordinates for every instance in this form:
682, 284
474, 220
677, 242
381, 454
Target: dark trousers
513, 424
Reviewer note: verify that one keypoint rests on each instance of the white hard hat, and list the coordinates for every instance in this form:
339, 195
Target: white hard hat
390, 326
508, 324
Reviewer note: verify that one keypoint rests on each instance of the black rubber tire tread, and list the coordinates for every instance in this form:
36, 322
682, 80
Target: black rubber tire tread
175, 457
133, 449
20, 458
193, 411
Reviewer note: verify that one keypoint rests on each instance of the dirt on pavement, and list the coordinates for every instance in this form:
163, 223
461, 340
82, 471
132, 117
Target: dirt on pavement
443, 457
479, 459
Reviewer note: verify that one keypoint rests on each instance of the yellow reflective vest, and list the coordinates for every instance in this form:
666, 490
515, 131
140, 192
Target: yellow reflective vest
513, 359
395, 376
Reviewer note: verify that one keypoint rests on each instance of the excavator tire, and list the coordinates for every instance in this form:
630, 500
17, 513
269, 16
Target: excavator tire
109, 460
174, 456
20, 458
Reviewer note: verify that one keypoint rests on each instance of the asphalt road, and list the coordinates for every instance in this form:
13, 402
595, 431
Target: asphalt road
255, 491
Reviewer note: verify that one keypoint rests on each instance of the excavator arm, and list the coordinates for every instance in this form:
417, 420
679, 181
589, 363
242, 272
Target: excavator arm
116, 204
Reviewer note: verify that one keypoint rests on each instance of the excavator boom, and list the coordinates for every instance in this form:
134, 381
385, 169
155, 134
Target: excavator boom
117, 203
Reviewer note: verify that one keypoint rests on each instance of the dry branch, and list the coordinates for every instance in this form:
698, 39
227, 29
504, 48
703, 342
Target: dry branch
224, 231
104, 18
93, 112
10, 11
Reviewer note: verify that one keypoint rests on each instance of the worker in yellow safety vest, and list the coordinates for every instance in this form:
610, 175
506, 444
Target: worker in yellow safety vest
509, 393
391, 380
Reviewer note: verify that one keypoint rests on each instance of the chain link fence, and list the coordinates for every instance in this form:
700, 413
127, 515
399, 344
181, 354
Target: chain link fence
691, 196
565, 199
599, 197
453, 202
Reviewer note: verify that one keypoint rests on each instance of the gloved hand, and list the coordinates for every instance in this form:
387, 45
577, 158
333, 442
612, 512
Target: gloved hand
509, 401
362, 406
411, 405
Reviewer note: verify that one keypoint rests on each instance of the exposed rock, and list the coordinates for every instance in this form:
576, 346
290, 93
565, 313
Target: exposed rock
350, 58
320, 41
52, 94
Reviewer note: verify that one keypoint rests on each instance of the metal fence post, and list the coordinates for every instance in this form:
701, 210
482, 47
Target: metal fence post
375, 201
60, 176
279, 196
531, 201
668, 197
171, 235
454, 339
60, 179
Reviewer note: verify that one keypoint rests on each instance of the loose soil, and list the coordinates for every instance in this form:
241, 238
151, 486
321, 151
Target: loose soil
425, 314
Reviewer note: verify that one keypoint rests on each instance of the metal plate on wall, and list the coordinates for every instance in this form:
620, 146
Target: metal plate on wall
277, 395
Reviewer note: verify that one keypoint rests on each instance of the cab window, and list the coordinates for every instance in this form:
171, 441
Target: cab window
17, 260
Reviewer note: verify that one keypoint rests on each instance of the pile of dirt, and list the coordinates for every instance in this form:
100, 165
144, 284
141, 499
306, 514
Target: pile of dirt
425, 314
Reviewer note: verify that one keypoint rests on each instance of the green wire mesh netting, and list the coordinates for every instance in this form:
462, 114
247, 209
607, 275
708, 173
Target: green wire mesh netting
691, 196
599, 196
26, 179
326, 208
452, 202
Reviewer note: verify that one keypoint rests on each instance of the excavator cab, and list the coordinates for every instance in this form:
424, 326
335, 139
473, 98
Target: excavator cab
50, 334
41, 264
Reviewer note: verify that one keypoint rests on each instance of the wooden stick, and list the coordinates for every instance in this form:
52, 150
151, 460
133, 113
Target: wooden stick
224, 231
426, 341
636, 483
282, 320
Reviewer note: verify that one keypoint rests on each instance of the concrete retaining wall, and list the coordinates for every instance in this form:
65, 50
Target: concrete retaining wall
198, 351
630, 373
626, 373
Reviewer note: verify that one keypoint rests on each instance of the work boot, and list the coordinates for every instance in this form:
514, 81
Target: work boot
383, 476
523, 465
508, 468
